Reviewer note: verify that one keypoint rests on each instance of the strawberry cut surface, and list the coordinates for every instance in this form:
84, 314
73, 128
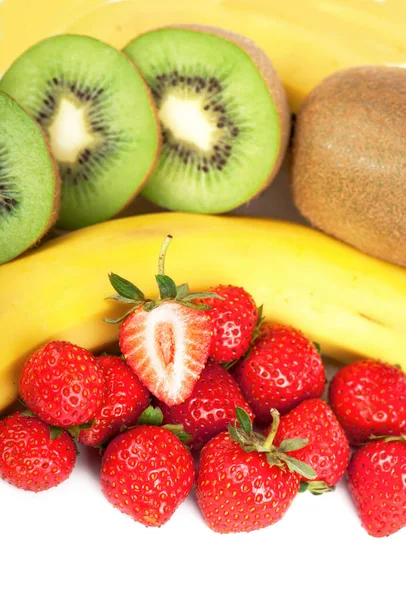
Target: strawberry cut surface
167, 348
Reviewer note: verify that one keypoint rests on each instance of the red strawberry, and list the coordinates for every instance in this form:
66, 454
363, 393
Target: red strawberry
327, 451
377, 482
165, 341
244, 482
210, 408
146, 473
369, 398
233, 317
282, 369
125, 400
31, 457
62, 384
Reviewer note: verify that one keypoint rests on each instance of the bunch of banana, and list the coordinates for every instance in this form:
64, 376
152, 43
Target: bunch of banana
352, 304
305, 39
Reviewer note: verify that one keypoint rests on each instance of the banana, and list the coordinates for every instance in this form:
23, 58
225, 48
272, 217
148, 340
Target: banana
352, 304
305, 39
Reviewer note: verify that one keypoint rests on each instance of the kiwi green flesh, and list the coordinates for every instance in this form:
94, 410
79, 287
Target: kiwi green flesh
189, 68
99, 117
27, 180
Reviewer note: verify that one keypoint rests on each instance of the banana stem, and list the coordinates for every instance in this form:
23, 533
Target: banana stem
274, 428
162, 254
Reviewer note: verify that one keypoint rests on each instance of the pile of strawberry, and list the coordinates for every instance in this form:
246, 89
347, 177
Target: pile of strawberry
197, 372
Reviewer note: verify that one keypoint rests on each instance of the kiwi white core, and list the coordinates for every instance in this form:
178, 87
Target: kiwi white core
187, 121
69, 133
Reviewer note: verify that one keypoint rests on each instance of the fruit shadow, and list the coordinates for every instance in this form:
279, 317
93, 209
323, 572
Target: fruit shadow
194, 507
91, 460
273, 203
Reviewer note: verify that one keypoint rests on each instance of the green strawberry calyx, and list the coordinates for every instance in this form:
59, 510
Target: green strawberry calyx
55, 431
317, 488
128, 293
251, 441
153, 415
317, 346
386, 438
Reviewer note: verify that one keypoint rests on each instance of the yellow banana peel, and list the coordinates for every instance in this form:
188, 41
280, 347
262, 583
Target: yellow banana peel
352, 304
306, 39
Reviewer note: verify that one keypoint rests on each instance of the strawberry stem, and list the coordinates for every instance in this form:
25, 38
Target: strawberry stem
250, 441
267, 445
128, 293
162, 254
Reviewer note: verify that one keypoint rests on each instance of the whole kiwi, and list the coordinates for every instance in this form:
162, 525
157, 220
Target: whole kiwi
349, 159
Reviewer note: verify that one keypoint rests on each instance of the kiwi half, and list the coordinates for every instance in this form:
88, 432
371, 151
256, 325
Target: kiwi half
99, 117
29, 181
223, 112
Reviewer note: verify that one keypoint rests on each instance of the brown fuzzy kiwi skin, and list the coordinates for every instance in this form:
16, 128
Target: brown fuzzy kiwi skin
58, 183
349, 159
270, 77
57, 187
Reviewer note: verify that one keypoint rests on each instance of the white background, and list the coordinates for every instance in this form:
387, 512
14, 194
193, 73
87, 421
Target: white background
69, 542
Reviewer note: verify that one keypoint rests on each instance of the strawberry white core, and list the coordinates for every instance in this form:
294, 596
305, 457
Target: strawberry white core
166, 346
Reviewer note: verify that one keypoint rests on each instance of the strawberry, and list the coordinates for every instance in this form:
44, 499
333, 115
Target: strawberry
282, 369
210, 407
233, 318
33, 456
147, 473
165, 341
377, 483
167, 348
246, 483
369, 398
62, 384
125, 400
328, 450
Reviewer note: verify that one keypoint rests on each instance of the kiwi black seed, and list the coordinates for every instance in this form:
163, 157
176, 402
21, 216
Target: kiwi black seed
29, 181
100, 119
223, 113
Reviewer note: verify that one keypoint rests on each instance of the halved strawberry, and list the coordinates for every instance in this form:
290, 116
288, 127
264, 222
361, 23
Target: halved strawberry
167, 348
165, 341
